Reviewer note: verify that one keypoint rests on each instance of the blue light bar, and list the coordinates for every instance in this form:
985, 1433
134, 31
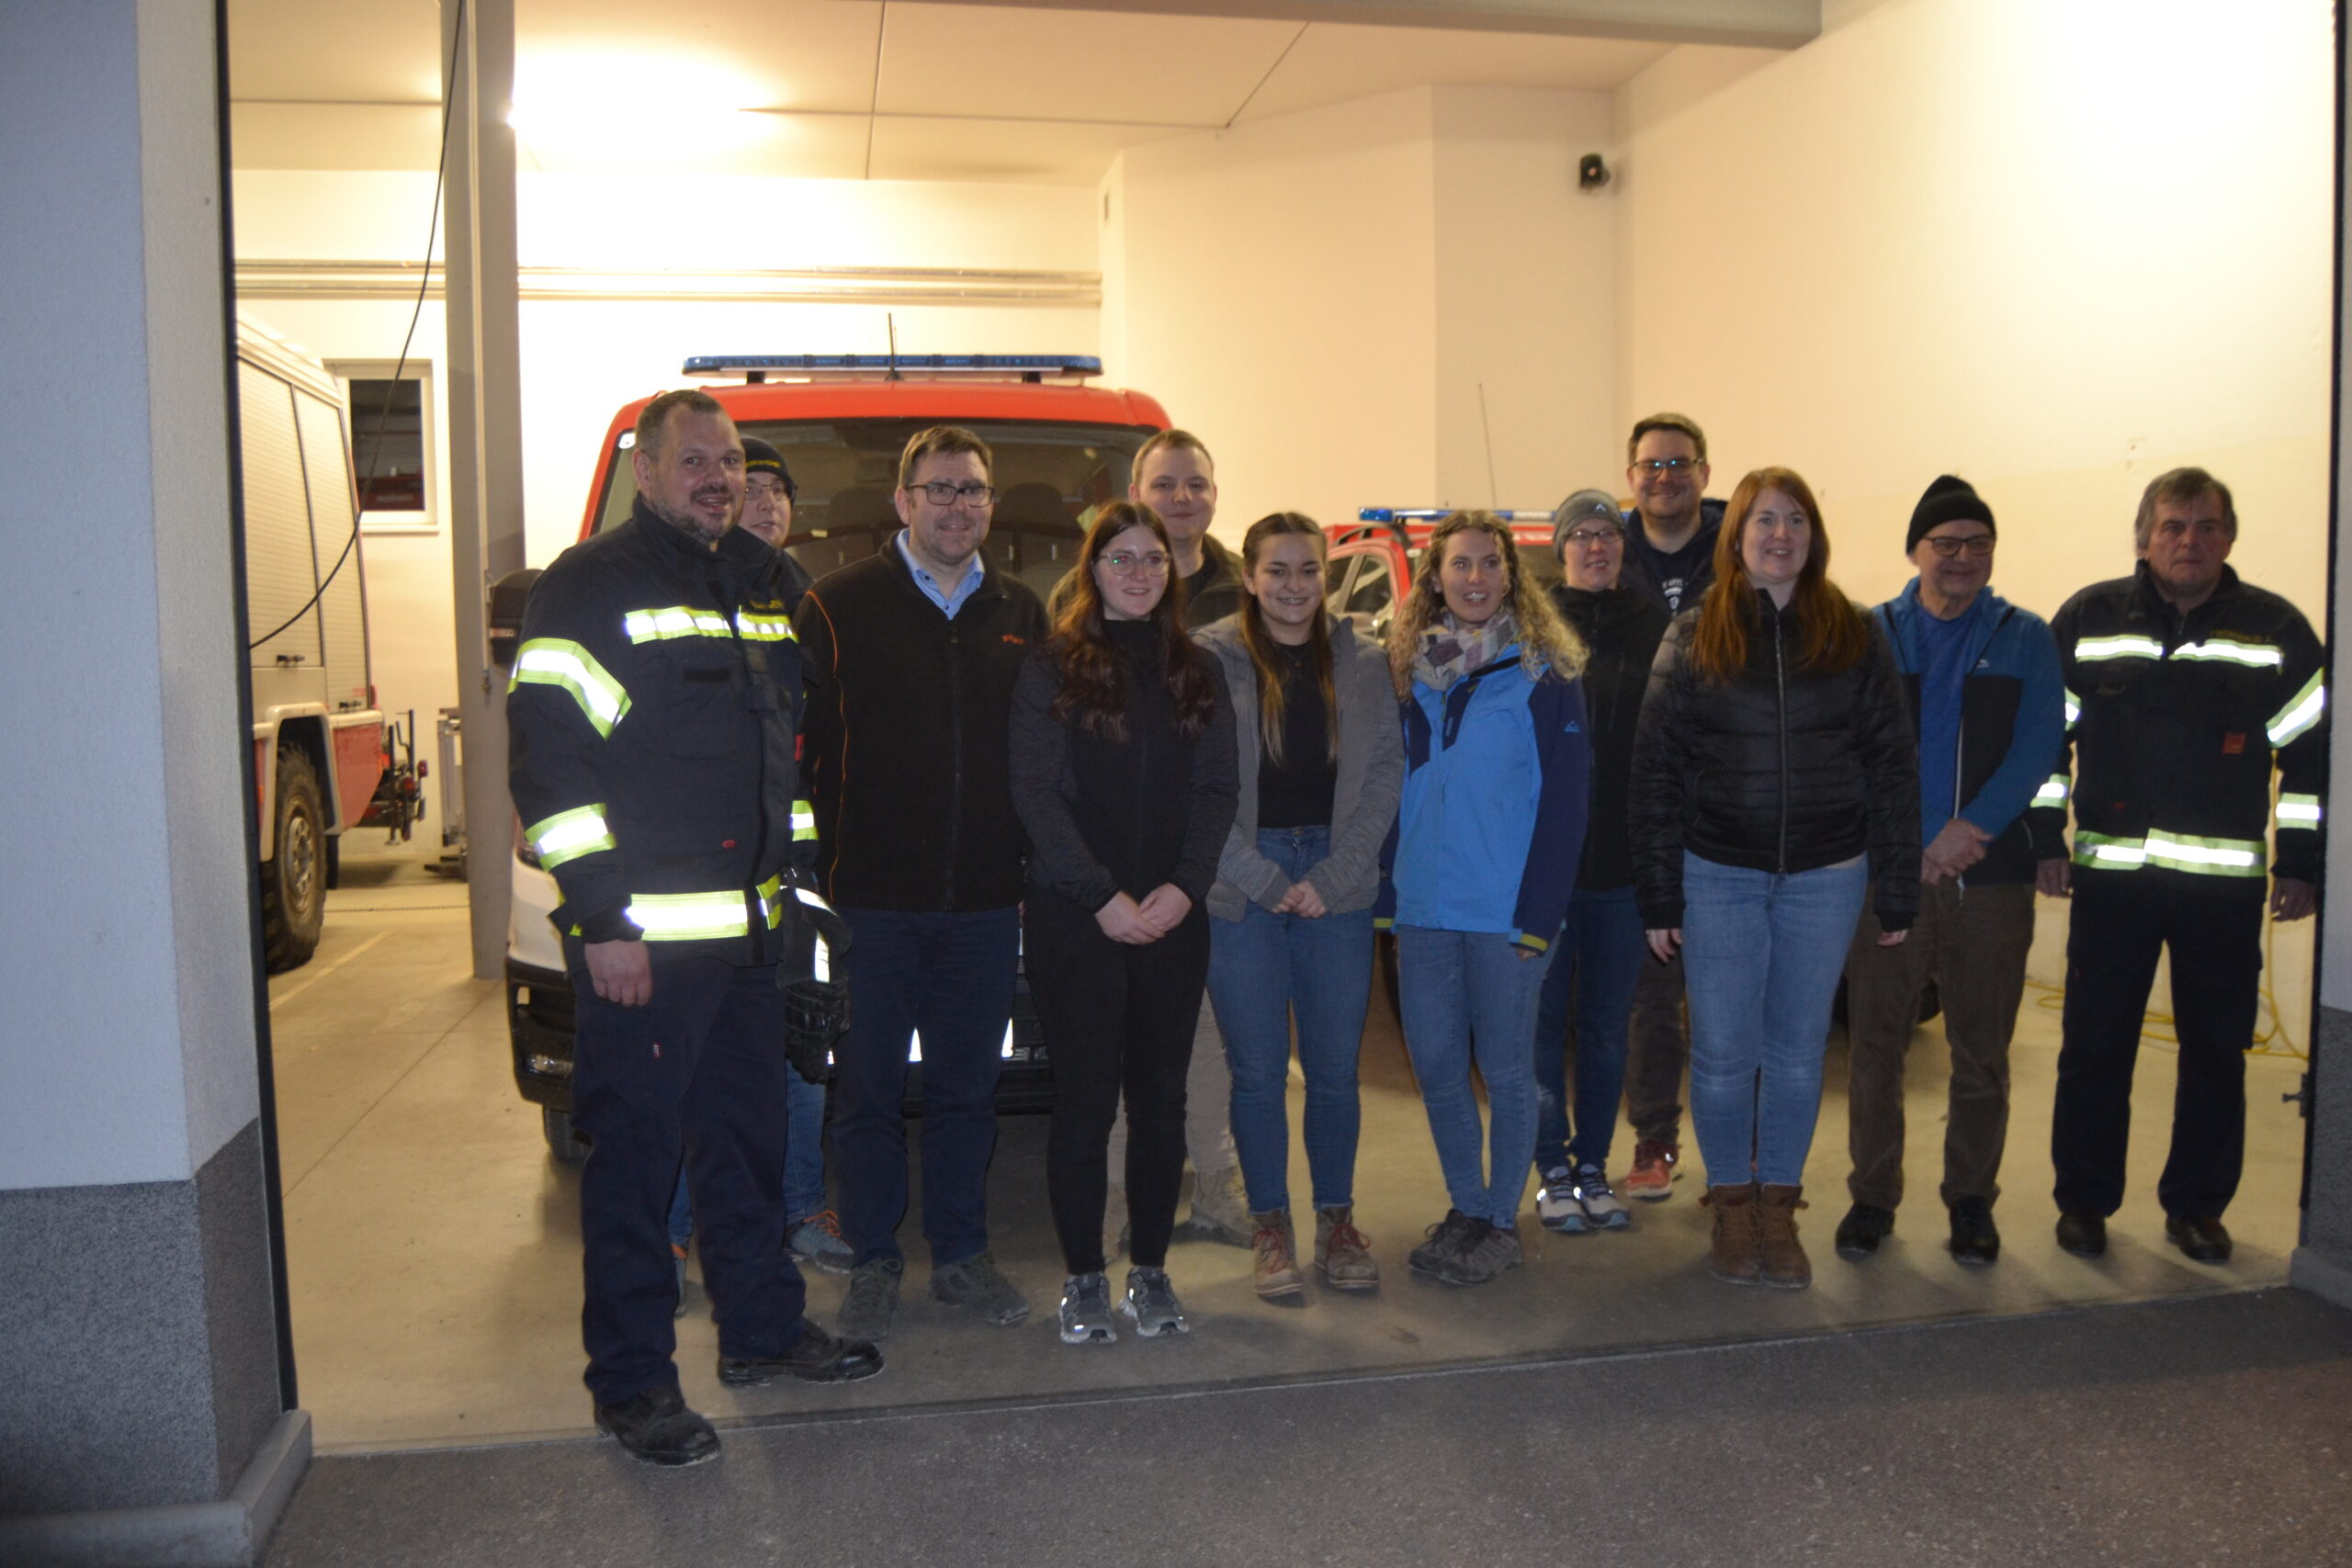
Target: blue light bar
952, 363
1436, 514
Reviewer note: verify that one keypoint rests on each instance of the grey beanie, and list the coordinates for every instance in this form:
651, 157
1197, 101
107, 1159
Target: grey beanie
1581, 507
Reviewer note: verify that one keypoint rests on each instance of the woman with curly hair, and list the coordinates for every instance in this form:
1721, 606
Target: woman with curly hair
1774, 779
1123, 773
1479, 869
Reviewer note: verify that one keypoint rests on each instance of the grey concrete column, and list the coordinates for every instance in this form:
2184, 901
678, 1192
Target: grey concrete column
2323, 1263
485, 426
143, 1418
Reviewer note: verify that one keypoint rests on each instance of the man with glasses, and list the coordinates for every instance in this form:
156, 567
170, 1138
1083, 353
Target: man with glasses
1981, 676
1670, 556
1669, 559
2184, 686
912, 656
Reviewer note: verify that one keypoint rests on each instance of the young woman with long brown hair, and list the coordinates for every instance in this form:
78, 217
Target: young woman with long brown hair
1291, 914
1479, 868
1774, 779
1123, 773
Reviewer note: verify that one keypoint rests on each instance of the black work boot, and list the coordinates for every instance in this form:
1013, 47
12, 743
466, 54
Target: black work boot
815, 1357
1974, 1237
656, 1427
1864, 1226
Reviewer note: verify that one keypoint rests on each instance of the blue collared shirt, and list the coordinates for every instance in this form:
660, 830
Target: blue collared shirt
949, 603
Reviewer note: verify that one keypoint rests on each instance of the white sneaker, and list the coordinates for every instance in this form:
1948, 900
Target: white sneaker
1556, 1204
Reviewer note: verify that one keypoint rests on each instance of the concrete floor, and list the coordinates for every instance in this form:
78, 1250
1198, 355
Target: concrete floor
2187, 1432
433, 1251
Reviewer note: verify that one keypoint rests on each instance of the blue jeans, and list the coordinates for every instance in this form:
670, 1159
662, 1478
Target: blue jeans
948, 976
804, 1161
1465, 995
1264, 968
1597, 959
1761, 955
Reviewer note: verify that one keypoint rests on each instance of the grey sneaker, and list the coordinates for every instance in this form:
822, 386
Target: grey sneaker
977, 1283
1151, 1302
872, 1301
1445, 1241
1555, 1201
1603, 1210
1489, 1250
815, 1240
1086, 1311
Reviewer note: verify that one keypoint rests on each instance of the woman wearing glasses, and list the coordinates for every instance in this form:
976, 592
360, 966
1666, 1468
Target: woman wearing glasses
1123, 773
1600, 952
1314, 725
1774, 777
1479, 867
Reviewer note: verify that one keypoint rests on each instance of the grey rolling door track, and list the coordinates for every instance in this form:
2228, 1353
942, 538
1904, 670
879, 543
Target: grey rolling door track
334, 514
280, 571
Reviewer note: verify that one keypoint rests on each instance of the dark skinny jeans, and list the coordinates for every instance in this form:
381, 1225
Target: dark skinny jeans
1117, 1018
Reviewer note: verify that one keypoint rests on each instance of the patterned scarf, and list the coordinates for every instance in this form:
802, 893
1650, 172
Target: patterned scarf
1449, 652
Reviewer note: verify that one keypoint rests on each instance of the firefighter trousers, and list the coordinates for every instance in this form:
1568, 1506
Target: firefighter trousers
700, 1069
2122, 921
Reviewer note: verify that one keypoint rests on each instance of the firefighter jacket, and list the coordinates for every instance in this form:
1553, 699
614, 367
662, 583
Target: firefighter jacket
651, 725
2173, 722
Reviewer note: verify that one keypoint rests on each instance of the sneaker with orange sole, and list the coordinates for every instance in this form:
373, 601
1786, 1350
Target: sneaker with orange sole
1653, 1177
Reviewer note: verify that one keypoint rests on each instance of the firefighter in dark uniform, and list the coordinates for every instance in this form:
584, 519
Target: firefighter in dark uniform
2184, 686
653, 720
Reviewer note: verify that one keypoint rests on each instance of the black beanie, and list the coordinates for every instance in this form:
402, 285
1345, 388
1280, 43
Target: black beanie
759, 457
1948, 500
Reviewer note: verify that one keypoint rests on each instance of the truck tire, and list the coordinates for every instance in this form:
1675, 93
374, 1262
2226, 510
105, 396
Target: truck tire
563, 1141
294, 880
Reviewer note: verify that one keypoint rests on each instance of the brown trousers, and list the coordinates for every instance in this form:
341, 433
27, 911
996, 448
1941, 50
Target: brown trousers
1658, 1054
1972, 942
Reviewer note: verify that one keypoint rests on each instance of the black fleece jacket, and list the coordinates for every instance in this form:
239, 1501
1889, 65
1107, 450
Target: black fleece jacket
1111, 816
904, 747
1783, 769
1621, 629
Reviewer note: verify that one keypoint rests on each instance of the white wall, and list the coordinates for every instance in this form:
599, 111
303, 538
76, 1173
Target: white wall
127, 1038
1321, 295
2056, 246
1526, 298
1277, 294
582, 359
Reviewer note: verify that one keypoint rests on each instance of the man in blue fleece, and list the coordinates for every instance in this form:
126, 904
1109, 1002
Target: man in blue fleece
1981, 678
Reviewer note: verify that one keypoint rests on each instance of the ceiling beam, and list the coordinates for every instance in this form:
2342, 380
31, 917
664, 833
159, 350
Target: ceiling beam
1768, 24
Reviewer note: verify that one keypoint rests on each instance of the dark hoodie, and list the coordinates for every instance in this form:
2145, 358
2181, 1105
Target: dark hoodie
1621, 629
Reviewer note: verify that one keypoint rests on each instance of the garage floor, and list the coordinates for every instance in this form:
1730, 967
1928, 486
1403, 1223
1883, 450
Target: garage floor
433, 1252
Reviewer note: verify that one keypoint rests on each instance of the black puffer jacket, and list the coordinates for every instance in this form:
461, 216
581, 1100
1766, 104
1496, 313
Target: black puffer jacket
1782, 769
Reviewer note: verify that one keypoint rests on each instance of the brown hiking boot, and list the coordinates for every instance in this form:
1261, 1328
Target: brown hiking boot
1341, 1253
1276, 1276
1785, 1266
1735, 1259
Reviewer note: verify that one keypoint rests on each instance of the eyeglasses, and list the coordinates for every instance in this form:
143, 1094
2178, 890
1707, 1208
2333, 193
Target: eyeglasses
1978, 547
1654, 467
941, 494
1581, 537
762, 484
1152, 564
